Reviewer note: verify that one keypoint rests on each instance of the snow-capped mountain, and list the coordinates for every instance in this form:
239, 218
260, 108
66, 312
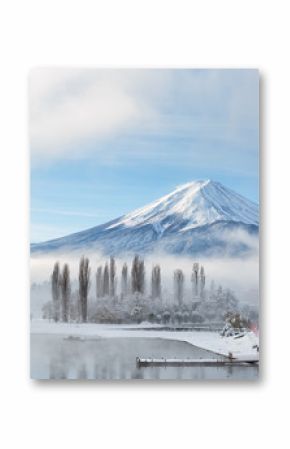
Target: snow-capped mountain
201, 217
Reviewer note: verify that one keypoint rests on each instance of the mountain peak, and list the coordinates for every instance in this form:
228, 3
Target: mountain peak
195, 204
193, 218
196, 184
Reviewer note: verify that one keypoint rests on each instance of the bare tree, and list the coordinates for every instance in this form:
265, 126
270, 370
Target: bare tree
99, 282
55, 290
194, 279
202, 281
178, 286
106, 286
156, 282
65, 292
141, 277
112, 276
124, 283
134, 274
84, 284
138, 275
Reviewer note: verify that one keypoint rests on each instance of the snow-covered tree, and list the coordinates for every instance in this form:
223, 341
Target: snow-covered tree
84, 284
230, 300
156, 282
65, 292
141, 277
112, 277
178, 286
219, 293
106, 281
48, 311
202, 281
194, 279
138, 275
55, 290
99, 282
166, 317
185, 316
134, 274
178, 317
124, 281
74, 307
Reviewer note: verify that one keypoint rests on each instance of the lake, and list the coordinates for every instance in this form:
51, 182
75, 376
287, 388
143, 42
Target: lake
56, 357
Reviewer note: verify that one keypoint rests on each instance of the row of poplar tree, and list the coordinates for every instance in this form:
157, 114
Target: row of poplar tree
106, 284
106, 279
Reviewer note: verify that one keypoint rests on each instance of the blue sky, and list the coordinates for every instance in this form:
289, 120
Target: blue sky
104, 142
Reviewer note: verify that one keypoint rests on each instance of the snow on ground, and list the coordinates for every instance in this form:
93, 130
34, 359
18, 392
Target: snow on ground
240, 348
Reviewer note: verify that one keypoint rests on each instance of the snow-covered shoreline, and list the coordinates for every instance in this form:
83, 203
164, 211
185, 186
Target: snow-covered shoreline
240, 348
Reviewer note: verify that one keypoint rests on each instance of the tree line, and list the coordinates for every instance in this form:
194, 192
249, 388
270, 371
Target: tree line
132, 283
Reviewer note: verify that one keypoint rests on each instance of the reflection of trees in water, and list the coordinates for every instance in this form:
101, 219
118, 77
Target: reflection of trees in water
157, 373
57, 369
96, 371
52, 369
104, 373
104, 369
116, 359
82, 372
137, 374
201, 373
60, 368
125, 370
230, 371
148, 373
111, 368
179, 373
58, 365
122, 370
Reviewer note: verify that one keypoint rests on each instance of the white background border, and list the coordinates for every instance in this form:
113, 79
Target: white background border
144, 33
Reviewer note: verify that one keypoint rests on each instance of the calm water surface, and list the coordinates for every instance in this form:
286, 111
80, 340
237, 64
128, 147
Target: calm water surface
54, 357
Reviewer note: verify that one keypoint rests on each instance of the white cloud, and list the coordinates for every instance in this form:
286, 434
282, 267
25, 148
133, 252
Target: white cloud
69, 107
71, 110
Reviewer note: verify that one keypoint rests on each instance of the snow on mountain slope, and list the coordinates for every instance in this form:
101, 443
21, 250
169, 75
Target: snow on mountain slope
197, 203
201, 217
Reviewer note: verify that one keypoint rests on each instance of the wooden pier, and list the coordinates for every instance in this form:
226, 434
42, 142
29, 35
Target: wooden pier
147, 362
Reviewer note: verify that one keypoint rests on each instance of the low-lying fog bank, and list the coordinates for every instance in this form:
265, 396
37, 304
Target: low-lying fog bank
240, 275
